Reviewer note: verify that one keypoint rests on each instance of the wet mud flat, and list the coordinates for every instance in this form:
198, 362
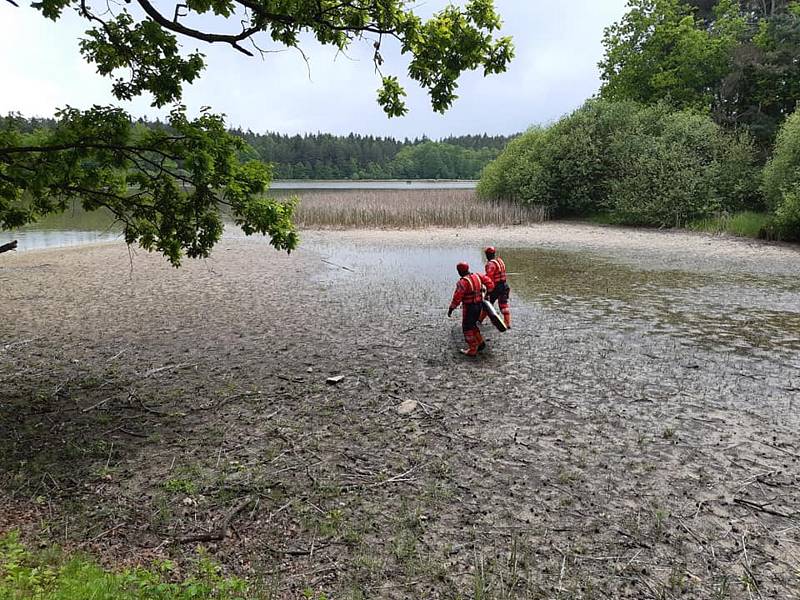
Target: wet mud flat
634, 436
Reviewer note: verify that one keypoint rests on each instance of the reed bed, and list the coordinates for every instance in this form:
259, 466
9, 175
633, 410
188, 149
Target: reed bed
411, 209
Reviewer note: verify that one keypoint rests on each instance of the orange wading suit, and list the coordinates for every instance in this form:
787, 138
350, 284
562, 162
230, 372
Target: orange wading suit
470, 296
496, 271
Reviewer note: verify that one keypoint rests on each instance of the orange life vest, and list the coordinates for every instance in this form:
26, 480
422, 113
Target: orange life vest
471, 286
498, 274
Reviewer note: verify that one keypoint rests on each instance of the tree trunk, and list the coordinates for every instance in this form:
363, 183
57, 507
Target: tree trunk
8, 246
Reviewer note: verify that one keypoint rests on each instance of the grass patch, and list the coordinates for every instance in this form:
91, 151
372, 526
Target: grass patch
53, 575
601, 218
743, 224
412, 209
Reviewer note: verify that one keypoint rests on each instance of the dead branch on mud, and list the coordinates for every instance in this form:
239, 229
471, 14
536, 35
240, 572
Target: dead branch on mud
763, 508
224, 528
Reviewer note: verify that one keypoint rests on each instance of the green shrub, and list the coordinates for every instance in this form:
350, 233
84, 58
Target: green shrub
640, 165
565, 167
787, 216
516, 173
782, 181
675, 167
782, 173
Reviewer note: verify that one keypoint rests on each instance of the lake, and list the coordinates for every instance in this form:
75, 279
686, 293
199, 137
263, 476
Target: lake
76, 227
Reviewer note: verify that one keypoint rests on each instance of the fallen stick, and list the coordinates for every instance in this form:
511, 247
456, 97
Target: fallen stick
93, 406
396, 478
102, 535
327, 262
763, 508
9, 246
223, 530
166, 368
779, 449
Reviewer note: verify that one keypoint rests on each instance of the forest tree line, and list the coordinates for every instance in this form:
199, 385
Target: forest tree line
354, 156
326, 156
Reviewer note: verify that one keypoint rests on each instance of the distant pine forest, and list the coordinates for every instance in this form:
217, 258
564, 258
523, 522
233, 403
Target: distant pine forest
354, 156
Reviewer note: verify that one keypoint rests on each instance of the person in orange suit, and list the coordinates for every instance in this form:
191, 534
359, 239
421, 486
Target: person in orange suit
469, 294
496, 271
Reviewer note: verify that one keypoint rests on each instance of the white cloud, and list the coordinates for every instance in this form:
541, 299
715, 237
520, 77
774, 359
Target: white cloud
558, 47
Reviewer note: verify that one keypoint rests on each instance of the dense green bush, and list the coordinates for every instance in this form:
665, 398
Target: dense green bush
782, 180
565, 166
516, 174
641, 165
674, 167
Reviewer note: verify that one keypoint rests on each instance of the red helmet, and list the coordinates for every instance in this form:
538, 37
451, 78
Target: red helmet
463, 268
490, 251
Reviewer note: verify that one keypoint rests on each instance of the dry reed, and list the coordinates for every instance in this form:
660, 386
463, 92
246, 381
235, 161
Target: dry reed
412, 209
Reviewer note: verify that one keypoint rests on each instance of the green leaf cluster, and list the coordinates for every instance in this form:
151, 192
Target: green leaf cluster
165, 185
661, 52
453, 41
150, 53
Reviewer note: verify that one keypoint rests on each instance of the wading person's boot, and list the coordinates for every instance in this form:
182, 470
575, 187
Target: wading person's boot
472, 342
507, 319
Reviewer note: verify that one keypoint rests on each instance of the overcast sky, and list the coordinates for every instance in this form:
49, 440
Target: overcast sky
558, 45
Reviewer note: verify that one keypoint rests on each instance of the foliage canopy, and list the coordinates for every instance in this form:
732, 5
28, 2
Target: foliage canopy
659, 51
734, 59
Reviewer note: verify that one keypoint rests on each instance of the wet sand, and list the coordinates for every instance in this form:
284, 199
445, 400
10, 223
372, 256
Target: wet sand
634, 435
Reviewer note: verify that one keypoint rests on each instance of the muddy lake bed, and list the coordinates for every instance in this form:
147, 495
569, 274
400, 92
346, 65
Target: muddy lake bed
635, 435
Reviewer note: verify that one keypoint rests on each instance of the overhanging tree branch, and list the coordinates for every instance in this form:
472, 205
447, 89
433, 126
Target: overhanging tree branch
233, 40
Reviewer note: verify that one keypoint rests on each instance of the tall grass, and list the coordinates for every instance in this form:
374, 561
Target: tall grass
743, 224
412, 209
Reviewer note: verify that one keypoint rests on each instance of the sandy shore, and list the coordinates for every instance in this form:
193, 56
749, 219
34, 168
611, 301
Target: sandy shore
634, 435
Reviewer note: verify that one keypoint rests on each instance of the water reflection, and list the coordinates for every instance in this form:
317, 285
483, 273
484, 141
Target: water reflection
729, 312
74, 227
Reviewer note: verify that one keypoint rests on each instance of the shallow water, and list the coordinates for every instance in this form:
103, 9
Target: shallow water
739, 313
75, 227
